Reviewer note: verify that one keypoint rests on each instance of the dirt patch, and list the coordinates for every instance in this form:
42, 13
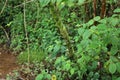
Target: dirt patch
7, 62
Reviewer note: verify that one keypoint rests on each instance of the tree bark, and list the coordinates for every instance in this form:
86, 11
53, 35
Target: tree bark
103, 9
94, 7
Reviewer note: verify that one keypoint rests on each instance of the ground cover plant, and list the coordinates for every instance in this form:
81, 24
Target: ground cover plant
63, 39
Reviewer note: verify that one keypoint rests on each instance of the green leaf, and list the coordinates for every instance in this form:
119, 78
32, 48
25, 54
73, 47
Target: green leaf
117, 10
114, 50
101, 27
56, 48
118, 78
118, 66
103, 21
58, 2
57, 61
43, 3
80, 2
113, 21
94, 44
50, 48
61, 6
86, 34
80, 49
97, 18
84, 43
91, 22
48, 76
112, 68
114, 39
113, 58
53, 1
70, 3
72, 71
81, 31
39, 77
67, 66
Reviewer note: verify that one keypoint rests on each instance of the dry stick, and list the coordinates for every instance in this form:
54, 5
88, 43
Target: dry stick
103, 9
5, 33
26, 34
3, 7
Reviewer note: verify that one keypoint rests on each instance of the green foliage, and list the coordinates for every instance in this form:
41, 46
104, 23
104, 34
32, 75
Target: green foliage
44, 75
96, 47
57, 28
117, 10
112, 68
14, 75
94, 53
35, 56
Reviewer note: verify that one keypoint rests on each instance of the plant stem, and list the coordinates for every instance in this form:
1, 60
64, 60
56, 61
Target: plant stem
26, 34
63, 31
3, 7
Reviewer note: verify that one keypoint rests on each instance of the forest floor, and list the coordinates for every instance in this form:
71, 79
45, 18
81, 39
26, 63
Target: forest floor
7, 62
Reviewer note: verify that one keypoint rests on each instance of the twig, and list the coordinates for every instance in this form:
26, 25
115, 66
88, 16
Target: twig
26, 34
23, 3
5, 32
3, 7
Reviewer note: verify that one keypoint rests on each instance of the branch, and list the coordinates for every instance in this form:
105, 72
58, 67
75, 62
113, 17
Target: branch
24, 3
5, 32
3, 7
26, 33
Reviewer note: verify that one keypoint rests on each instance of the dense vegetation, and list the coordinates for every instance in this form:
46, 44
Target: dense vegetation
63, 39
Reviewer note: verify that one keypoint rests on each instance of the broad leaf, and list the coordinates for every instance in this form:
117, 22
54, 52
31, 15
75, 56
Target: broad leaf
118, 66
103, 21
118, 78
80, 2
112, 68
72, 71
117, 10
58, 2
70, 3
81, 31
114, 50
97, 18
43, 3
53, 1
56, 48
101, 27
91, 22
39, 77
67, 66
113, 58
61, 6
86, 34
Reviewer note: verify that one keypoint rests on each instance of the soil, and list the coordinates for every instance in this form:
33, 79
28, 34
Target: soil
7, 62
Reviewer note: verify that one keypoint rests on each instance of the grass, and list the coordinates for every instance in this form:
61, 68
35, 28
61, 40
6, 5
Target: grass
35, 56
